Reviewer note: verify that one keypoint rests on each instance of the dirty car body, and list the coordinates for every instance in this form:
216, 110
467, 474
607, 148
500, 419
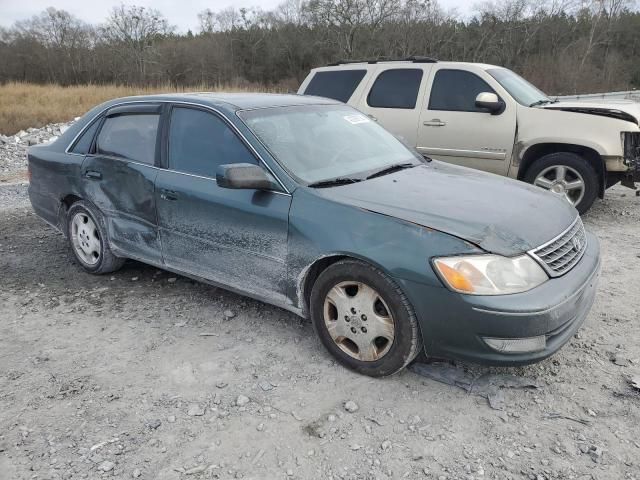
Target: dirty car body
272, 243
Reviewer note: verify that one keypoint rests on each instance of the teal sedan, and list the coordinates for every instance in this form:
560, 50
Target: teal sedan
308, 204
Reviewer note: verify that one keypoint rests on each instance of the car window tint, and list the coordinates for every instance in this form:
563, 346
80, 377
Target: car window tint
338, 85
199, 142
83, 144
396, 89
456, 90
129, 136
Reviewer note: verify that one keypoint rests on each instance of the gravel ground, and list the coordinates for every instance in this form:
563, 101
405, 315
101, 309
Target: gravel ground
144, 374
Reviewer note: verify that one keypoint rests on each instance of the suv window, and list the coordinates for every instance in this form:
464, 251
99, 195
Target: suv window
396, 89
338, 85
129, 136
200, 141
83, 144
456, 90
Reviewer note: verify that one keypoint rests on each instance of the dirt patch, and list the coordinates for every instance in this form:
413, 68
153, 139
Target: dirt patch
142, 374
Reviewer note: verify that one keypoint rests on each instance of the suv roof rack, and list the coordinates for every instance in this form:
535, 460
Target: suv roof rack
412, 58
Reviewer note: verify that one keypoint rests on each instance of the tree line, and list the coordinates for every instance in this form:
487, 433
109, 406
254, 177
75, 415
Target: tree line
562, 46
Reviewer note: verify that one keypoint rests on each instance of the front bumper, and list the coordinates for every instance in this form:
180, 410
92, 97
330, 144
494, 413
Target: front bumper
454, 325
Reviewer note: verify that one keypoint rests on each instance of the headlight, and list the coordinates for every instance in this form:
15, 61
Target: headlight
490, 274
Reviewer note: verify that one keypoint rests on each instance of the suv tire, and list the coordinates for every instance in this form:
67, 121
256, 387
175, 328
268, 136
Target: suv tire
87, 234
566, 174
364, 319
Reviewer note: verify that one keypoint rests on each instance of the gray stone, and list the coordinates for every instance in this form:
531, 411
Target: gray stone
351, 406
106, 466
195, 410
242, 400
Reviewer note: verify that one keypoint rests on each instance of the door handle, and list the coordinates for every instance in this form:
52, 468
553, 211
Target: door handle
93, 175
436, 122
372, 117
168, 195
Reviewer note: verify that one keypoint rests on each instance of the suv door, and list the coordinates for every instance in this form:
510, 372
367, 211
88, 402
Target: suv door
119, 173
453, 129
237, 238
394, 99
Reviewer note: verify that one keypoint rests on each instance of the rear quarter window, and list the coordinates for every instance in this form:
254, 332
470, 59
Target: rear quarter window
83, 144
337, 85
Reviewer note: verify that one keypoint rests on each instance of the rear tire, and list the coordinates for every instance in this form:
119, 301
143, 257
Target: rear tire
567, 175
87, 234
364, 319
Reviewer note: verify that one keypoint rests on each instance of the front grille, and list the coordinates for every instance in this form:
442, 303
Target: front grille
562, 253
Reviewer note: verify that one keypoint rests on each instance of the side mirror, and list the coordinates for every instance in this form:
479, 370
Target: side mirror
244, 176
490, 102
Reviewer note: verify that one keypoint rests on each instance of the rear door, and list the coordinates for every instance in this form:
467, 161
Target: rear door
453, 129
237, 238
394, 98
119, 174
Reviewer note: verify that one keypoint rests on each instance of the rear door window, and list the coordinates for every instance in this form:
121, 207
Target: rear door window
338, 85
456, 91
200, 141
132, 137
397, 88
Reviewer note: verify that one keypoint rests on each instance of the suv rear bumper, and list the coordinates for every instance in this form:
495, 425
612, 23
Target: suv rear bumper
457, 326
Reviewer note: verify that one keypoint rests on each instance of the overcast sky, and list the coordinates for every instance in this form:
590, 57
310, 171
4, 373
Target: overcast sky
181, 13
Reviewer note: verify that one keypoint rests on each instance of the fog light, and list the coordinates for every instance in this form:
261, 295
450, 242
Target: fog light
517, 345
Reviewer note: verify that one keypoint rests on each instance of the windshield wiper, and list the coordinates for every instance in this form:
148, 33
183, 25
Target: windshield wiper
390, 169
334, 182
541, 102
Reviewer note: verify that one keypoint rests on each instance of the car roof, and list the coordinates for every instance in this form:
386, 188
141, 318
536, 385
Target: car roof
233, 101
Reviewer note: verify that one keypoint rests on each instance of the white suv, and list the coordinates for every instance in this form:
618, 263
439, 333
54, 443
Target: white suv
489, 118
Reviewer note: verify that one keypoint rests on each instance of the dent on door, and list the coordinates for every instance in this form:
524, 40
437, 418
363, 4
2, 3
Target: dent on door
124, 193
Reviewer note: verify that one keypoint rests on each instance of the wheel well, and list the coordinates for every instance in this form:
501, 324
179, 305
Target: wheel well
535, 152
70, 200
65, 205
313, 272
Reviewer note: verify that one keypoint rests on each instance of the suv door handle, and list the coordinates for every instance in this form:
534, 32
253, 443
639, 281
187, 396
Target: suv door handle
436, 122
93, 175
168, 194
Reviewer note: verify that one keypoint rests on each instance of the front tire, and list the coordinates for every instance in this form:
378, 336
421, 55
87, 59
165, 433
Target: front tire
567, 175
364, 319
87, 236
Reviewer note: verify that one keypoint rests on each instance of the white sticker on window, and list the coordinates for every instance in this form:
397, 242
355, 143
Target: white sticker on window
356, 119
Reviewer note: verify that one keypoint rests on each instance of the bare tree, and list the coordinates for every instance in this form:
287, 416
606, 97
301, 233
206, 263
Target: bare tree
133, 32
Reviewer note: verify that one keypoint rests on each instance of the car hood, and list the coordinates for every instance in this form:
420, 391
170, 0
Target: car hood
626, 110
498, 214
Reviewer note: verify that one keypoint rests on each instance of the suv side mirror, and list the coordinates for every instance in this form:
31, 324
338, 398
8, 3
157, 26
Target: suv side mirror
244, 176
490, 102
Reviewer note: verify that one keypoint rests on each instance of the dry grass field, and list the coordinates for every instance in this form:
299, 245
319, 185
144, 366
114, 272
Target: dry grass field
24, 105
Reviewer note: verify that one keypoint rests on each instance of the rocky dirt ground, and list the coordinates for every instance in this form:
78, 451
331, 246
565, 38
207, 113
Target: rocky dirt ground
144, 374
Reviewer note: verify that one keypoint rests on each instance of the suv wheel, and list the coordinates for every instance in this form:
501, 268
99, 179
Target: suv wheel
88, 239
363, 318
567, 175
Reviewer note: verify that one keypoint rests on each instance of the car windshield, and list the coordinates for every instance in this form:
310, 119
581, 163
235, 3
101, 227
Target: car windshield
320, 143
523, 92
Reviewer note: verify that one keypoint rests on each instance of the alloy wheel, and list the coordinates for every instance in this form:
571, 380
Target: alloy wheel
359, 321
563, 181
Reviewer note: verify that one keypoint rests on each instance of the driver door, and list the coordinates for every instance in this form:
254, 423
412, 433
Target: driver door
453, 129
237, 238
